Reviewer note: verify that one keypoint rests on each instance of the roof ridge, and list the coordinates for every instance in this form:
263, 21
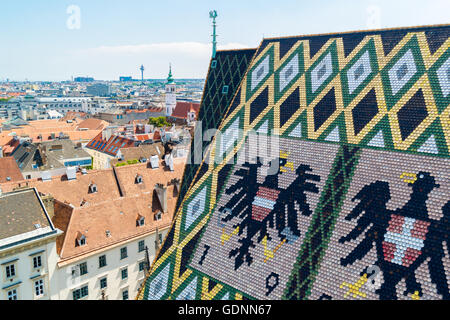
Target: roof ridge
358, 31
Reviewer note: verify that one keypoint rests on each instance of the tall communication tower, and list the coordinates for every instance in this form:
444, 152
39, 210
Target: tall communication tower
213, 16
142, 72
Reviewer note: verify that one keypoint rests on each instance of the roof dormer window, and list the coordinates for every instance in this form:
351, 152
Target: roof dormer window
140, 222
81, 240
138, 179
93, 188
158, 216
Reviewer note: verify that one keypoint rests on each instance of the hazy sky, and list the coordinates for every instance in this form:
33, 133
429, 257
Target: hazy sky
45, 40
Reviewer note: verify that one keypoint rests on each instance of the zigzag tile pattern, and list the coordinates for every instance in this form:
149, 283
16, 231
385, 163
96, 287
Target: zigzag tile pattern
227, 70
352, 198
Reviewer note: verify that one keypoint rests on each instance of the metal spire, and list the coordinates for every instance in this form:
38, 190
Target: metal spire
213, 15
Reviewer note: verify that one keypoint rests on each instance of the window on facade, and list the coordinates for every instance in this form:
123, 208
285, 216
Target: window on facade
37, 262
103, 283
141, 266
83, 268
10, 271
123, 253
80, 293
125, 294
39, 287
124, 273
12, 294
102, 261
141, 246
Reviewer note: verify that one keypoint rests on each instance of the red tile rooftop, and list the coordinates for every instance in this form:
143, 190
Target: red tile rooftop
9, 171
182, 108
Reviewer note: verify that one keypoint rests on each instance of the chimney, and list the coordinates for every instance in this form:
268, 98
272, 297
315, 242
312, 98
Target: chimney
176, 183
106, 134
161, 192
49, 203
43, 153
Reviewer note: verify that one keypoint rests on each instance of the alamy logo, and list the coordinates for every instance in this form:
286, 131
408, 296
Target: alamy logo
74, 20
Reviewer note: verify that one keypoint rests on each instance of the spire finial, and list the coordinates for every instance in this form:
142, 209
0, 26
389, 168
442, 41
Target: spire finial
169, 78
213, 16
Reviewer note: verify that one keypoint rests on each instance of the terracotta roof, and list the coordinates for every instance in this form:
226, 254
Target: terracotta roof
126, 175
73, 115
142, 151
144, 137
110, 146
9, 169
73, 191
45, 128
9, 147
118, 217
117, 214
182, 108
93, 124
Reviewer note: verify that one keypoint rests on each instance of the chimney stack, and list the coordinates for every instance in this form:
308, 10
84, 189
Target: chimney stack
161, 192
176, 183
106, 134
43, 153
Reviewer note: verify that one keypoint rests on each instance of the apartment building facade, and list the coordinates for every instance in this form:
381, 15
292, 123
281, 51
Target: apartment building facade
28, 257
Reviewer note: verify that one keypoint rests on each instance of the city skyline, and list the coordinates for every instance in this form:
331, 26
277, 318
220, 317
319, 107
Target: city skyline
106, 40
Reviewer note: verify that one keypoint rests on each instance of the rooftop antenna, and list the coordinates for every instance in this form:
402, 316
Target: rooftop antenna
213, 16
142, 72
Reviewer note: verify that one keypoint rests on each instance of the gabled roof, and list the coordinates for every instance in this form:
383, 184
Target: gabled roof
76, 191
183, 108
92, 124
110, 146
47, 155
109, 210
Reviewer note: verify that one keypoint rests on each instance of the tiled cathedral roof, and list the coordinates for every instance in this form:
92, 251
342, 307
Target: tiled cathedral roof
353, 202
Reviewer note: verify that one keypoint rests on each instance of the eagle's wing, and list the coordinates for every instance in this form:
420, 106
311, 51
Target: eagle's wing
373, 197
